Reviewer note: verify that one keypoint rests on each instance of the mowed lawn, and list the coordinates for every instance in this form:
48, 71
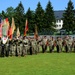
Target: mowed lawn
40, 64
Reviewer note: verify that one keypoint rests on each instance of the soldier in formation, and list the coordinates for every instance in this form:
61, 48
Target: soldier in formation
30, 45
51, 44
44, 44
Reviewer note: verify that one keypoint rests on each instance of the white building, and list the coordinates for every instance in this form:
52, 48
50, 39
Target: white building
59, 24
59, 21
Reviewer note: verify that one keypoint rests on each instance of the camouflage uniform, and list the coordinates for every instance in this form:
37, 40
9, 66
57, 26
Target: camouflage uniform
65, 44
73, 44
44, 44
38, 44
69, 45
10, 43
25, 47
19, 47
0, 46
13, 48
30, 46
7, 48
59, 45
51, 44
34, 46
3, 50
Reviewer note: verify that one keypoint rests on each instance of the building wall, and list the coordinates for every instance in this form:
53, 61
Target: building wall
59, 24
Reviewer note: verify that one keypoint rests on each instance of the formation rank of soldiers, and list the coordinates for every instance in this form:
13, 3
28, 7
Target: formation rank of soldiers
29, 45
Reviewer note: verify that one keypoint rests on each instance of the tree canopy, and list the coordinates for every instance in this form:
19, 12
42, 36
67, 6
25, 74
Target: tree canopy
43, 18
69, 18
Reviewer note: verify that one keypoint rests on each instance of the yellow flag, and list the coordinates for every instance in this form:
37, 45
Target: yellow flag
13, 25
36, 32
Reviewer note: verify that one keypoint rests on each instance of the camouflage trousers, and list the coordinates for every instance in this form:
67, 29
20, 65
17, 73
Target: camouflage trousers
19, 50
25, 50
44, 48
12, 51
51, 48
69, 47
0, 50
66, 48
34, 49
6, 50
59, 48
38, 48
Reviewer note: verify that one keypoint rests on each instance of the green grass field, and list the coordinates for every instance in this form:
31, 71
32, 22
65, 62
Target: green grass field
40, 64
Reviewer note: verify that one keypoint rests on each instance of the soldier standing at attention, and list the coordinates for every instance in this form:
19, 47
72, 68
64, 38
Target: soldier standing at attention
0, 46
25, 46
3, 51
59, 44
65, 43
44, 44
73, 44
34, 46
38, 44
51, 44
7, 48
21, 46
13, 47
19, 50
10, 47
30, 46
70, 44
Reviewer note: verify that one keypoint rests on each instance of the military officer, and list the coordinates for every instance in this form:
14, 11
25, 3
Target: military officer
13, 48
19, 46
59, 44
7, 48
65, 43
34, 46
0, 46
44, 44
51, 44
30, 45
73, 44
69, 44
25, 46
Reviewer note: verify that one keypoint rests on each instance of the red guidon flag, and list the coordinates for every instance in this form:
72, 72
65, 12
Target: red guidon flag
26, 28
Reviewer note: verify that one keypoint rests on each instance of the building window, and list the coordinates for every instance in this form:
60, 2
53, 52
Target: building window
56, 25
59, 25
60, 21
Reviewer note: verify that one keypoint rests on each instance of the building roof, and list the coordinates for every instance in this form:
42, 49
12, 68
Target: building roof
59, 14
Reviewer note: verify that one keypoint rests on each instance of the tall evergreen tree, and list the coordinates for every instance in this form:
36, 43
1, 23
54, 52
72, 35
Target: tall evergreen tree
39, 16
49, 17
19, 17
31, 21
3, 14
68, 17
10, 13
